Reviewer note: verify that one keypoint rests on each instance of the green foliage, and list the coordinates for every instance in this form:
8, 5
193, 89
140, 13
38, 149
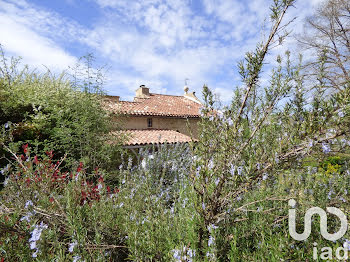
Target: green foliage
52, 113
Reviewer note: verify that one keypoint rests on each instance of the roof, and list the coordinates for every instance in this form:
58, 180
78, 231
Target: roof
153, 136
157, 105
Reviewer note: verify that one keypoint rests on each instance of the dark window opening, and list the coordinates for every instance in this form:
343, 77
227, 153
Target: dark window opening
149, 122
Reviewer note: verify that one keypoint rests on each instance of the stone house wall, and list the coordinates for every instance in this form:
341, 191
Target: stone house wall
182, 125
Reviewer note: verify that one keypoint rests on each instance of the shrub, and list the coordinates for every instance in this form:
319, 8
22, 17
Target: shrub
52, 214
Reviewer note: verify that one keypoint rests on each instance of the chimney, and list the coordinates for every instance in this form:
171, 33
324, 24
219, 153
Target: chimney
115, 99
142, 92
191, 95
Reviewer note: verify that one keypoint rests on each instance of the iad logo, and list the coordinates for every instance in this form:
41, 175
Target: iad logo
326, 251
323, 224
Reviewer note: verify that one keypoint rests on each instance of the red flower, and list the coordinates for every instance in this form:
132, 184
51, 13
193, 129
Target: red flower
80, 167
51, 199
108, 189
27, 181
25, 148
100, 179
49, 153
36, 161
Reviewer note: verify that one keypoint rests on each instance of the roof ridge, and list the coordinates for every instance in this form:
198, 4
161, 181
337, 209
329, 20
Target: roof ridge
166, 95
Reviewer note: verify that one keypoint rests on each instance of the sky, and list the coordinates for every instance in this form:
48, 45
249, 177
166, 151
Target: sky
157, 43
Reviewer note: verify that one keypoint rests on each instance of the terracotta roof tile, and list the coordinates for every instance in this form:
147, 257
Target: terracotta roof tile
153, 136
157, 105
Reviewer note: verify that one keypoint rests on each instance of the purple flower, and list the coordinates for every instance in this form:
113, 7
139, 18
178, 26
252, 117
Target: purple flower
326, 148
346, 244
76, 258
72, 246
28, 204
210, 241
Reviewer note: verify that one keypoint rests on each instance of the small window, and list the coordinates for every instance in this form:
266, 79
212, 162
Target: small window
149, 122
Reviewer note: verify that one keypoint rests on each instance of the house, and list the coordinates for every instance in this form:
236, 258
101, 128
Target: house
156, 118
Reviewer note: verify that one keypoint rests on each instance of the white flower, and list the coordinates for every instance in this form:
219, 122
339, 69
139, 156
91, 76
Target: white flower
99, 187
265, 176
72, 246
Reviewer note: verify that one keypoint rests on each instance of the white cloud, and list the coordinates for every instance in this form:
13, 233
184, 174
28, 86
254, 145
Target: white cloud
158, 43
21, 36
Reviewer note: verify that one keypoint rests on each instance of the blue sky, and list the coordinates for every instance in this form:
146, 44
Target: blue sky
152, 42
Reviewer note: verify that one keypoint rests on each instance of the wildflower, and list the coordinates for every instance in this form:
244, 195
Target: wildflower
76, 258
330, 194
239, 170
28, 204
28, 216
6, 125
212, 227
341, 113
326, 148
176, 255
342, 199
211, 164
265, 176
5, 169
6, 181
35, 236
80, 167
347, 244
72, 246
25, 148
35, 254
232, 169
217, 181
36, 233
203, 206
36, 161
210, 241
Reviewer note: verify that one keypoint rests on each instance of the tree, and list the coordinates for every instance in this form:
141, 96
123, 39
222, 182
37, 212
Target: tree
327, 35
